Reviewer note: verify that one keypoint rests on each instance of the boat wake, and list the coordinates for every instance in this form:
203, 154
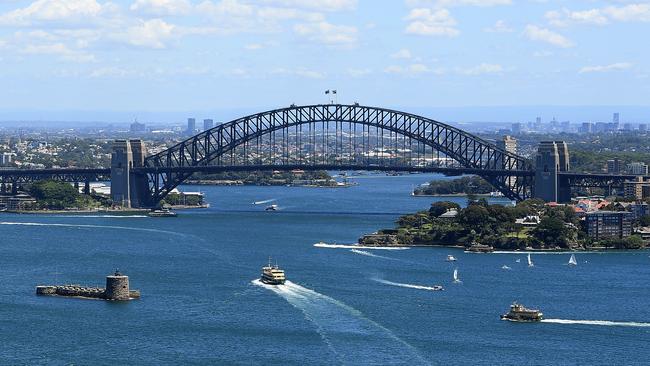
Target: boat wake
597, 322
92, 227
353, 338
368, 254
408, 285
103, 216
265, 201
353, 246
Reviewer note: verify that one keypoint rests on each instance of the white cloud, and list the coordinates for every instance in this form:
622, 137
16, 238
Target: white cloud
535, 33
499, 27
428, 22
151, 33
357, 73
300, 72
59, 49
324, 32
482, 69
566, 17
454, 3
320, 5
410, 70
604, 68
403, 53
162, 7
52, 10
600, 16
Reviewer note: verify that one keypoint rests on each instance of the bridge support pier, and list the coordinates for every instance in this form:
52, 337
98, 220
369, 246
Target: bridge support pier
127, 188
552, 158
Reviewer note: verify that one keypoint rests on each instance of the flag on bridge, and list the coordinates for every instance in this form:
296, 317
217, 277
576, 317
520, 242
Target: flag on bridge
333, 91
327, 91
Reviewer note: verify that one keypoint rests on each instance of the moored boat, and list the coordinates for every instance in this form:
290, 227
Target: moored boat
519, 313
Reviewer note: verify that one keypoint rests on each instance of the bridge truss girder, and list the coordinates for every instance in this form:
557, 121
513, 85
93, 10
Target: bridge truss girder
169, 168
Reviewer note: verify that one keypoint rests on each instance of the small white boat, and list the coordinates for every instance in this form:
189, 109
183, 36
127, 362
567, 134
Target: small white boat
451, 258
271, 208
518, 260
456, 279
572, 260
530, 261
506, 267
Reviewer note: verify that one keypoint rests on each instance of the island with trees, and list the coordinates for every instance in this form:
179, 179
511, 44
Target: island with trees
473, 185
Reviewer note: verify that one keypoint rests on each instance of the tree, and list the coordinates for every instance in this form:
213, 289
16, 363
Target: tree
54, 195
551, 230
438, 208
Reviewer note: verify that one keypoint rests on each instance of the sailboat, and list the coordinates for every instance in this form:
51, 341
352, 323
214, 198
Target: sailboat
530, 261
517, 260
456, 280
572, 260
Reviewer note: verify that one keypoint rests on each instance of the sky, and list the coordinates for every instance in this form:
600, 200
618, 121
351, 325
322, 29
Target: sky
100, 59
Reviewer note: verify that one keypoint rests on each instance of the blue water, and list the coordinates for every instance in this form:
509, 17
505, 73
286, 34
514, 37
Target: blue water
201, 304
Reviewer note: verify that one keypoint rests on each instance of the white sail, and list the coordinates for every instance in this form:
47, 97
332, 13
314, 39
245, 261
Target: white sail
530, 261
456, 276
572, 260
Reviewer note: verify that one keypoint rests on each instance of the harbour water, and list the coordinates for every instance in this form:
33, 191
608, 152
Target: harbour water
201, 303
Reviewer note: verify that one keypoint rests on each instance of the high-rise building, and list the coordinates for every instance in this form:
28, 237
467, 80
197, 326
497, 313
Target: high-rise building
637, 188
643, 127
5, 158
637, 169
516, 128
137, 127
627, 126
616, 118
191, 126
609, 224
208, 124
586, 127
508, 143
614, 166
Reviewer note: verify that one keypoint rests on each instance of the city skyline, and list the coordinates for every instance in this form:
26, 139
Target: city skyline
180, 55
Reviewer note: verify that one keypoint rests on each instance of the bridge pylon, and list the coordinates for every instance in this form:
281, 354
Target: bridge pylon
552, 158
128, 189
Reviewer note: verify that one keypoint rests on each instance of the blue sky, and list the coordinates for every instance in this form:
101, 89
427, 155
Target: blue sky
184, 55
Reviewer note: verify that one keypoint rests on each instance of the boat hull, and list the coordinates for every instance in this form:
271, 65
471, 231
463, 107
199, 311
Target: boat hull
269, 281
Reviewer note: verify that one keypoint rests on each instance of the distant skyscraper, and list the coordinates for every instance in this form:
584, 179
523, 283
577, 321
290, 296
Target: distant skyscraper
516, 128
508, 143
627, 126
586, 127
208, 124
191, 125
137, 127
616, 118
538, 120
643, 127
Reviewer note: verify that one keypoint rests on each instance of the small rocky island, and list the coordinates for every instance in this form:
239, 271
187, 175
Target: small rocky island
117, 289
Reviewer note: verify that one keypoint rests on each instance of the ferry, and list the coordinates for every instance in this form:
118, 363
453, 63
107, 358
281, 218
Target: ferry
162, 213
272, 274
519, 313
271, 208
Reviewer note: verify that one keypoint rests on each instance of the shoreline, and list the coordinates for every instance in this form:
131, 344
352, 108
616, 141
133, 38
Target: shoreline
496, 250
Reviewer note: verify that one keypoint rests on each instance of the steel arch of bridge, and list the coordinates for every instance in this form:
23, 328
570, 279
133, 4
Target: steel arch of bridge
169, 168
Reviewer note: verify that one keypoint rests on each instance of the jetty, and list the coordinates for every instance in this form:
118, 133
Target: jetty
117, 289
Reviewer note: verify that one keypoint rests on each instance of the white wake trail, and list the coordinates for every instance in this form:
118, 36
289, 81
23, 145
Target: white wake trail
368, 254
408, 285
354, 246
91, 227
597, 322
352, 337
263, 202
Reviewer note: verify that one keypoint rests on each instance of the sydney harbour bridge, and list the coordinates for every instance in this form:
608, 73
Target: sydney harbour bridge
327, 137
